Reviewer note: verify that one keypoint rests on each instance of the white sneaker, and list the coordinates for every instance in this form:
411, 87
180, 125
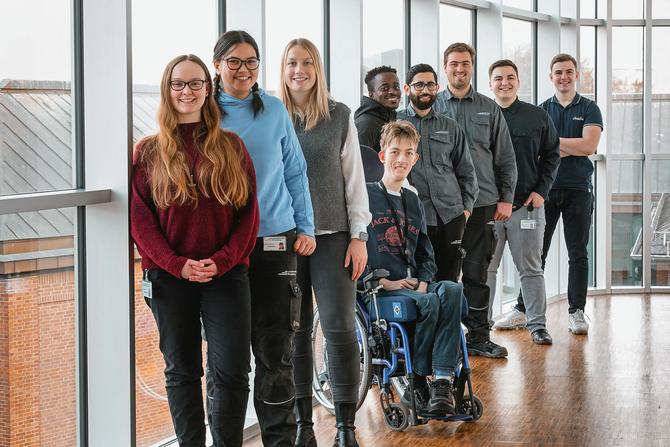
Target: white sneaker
577, 323
511, 320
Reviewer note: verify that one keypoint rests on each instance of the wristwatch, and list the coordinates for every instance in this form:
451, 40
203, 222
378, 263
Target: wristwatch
363, 236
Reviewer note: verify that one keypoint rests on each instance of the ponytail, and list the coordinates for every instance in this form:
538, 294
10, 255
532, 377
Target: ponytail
217, 92
256, 101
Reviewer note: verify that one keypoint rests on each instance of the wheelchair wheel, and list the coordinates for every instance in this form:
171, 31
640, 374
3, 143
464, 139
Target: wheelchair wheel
320, 376
397, 416
473, 407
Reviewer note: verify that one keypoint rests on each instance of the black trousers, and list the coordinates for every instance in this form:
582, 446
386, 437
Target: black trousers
224, 306
577, 209
336, 297
446, 241
275, 315
479, 245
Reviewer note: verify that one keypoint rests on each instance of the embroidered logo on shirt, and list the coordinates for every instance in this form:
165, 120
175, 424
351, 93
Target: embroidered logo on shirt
578, 118
483, 113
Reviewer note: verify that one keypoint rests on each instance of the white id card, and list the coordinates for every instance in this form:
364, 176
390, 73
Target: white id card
274, 243
146, 288
528, 224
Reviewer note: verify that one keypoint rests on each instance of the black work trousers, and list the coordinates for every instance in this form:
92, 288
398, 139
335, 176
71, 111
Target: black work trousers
335, 294
577, 209
479, 245
224, 306
446, 239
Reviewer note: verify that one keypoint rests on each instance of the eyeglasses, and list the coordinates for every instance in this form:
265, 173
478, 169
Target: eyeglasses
235, 63
195, 84
422, 85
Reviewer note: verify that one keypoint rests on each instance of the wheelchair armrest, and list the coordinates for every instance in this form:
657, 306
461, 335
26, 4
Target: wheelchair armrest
371, 280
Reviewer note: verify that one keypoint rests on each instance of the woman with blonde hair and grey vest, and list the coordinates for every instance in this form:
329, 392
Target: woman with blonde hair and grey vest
329, 141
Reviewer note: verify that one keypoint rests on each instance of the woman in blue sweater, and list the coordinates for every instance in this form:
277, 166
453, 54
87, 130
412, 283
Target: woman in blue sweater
329, 140
286, 227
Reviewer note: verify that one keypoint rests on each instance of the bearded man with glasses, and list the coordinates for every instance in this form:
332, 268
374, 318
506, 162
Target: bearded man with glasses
444, 176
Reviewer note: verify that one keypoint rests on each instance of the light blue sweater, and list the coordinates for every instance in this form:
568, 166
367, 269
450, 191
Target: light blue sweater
281, 171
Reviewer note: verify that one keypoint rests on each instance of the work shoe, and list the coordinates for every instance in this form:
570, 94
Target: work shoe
486, 349
305, 436
577, 323
441, 401
511, 320
541, 337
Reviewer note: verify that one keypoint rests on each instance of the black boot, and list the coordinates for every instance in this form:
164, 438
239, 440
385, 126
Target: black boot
345, 413
303, 413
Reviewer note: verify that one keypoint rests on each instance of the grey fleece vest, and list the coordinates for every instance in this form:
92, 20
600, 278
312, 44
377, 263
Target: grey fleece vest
322, 147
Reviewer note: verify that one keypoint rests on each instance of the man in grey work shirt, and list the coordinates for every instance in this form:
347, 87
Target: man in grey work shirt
493, 156
444, 176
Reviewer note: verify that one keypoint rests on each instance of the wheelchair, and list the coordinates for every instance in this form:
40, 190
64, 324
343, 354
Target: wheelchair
386, 360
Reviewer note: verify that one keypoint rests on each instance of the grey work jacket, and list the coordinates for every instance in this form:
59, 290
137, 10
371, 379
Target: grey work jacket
489, 141
444, 176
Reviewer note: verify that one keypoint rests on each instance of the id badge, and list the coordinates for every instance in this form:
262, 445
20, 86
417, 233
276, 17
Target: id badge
528, 224
274, 243
146, 288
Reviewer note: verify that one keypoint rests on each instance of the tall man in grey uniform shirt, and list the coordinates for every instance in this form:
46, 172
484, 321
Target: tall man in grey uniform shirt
537, 152
444, 176
493, 156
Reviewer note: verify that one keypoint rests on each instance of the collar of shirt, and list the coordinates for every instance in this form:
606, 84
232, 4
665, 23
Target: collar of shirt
514, 107
411, 112
469, 95
574, 102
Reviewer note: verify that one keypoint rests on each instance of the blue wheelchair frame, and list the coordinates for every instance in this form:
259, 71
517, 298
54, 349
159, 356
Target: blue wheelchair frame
467, 408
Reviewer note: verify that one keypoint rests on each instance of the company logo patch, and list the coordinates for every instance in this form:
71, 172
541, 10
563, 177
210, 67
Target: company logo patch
578, 118
397, 310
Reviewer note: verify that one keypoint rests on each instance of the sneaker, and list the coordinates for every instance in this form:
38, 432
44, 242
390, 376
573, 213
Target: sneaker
541, 337
487, 349
577, 323
421, 394
511, 320
441, 401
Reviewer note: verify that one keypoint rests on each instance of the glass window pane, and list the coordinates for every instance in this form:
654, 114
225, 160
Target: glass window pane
660, 9
383, 35
628, 9
660, 91
277, 14
625, 128
660, 223
35, 106
626, 177
518, 47
37, 329
155, 43
587, 9
587, 64
455, 26
522, 4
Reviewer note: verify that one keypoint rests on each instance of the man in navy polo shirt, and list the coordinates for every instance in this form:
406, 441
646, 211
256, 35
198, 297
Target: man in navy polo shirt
579, 124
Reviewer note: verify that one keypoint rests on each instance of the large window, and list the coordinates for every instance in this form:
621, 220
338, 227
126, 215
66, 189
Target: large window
383, 35
521, 4
155, 43
279, 13
35, 107
587, 62
626, 177
629, 9
518, 47
455, 26
587, 9
625, 126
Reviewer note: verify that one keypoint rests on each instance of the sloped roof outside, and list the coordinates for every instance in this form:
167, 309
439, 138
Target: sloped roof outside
36, 149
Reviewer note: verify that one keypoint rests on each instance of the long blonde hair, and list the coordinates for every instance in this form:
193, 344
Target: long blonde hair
317, 105
221, 172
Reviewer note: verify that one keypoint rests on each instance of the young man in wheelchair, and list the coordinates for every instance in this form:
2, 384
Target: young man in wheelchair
398, 242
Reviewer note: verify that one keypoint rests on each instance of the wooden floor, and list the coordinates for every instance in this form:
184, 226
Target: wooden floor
610, 388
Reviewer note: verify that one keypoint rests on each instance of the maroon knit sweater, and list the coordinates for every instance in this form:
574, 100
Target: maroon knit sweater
166, 238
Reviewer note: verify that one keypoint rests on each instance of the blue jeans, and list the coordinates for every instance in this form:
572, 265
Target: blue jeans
577, 208
437, 334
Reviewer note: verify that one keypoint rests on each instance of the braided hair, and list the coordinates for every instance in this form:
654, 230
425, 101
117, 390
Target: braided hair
227, 41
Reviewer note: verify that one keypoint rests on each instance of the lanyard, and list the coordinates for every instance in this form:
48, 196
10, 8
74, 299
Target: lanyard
402, 231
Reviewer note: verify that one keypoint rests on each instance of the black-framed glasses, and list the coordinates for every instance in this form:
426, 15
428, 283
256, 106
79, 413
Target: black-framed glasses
235, 63
193, 84
424, 85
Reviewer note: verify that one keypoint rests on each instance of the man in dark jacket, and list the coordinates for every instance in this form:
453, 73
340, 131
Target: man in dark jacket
378, 108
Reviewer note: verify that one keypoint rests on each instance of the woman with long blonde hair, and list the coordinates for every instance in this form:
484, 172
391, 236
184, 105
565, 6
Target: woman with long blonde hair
194, 219
329, 142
